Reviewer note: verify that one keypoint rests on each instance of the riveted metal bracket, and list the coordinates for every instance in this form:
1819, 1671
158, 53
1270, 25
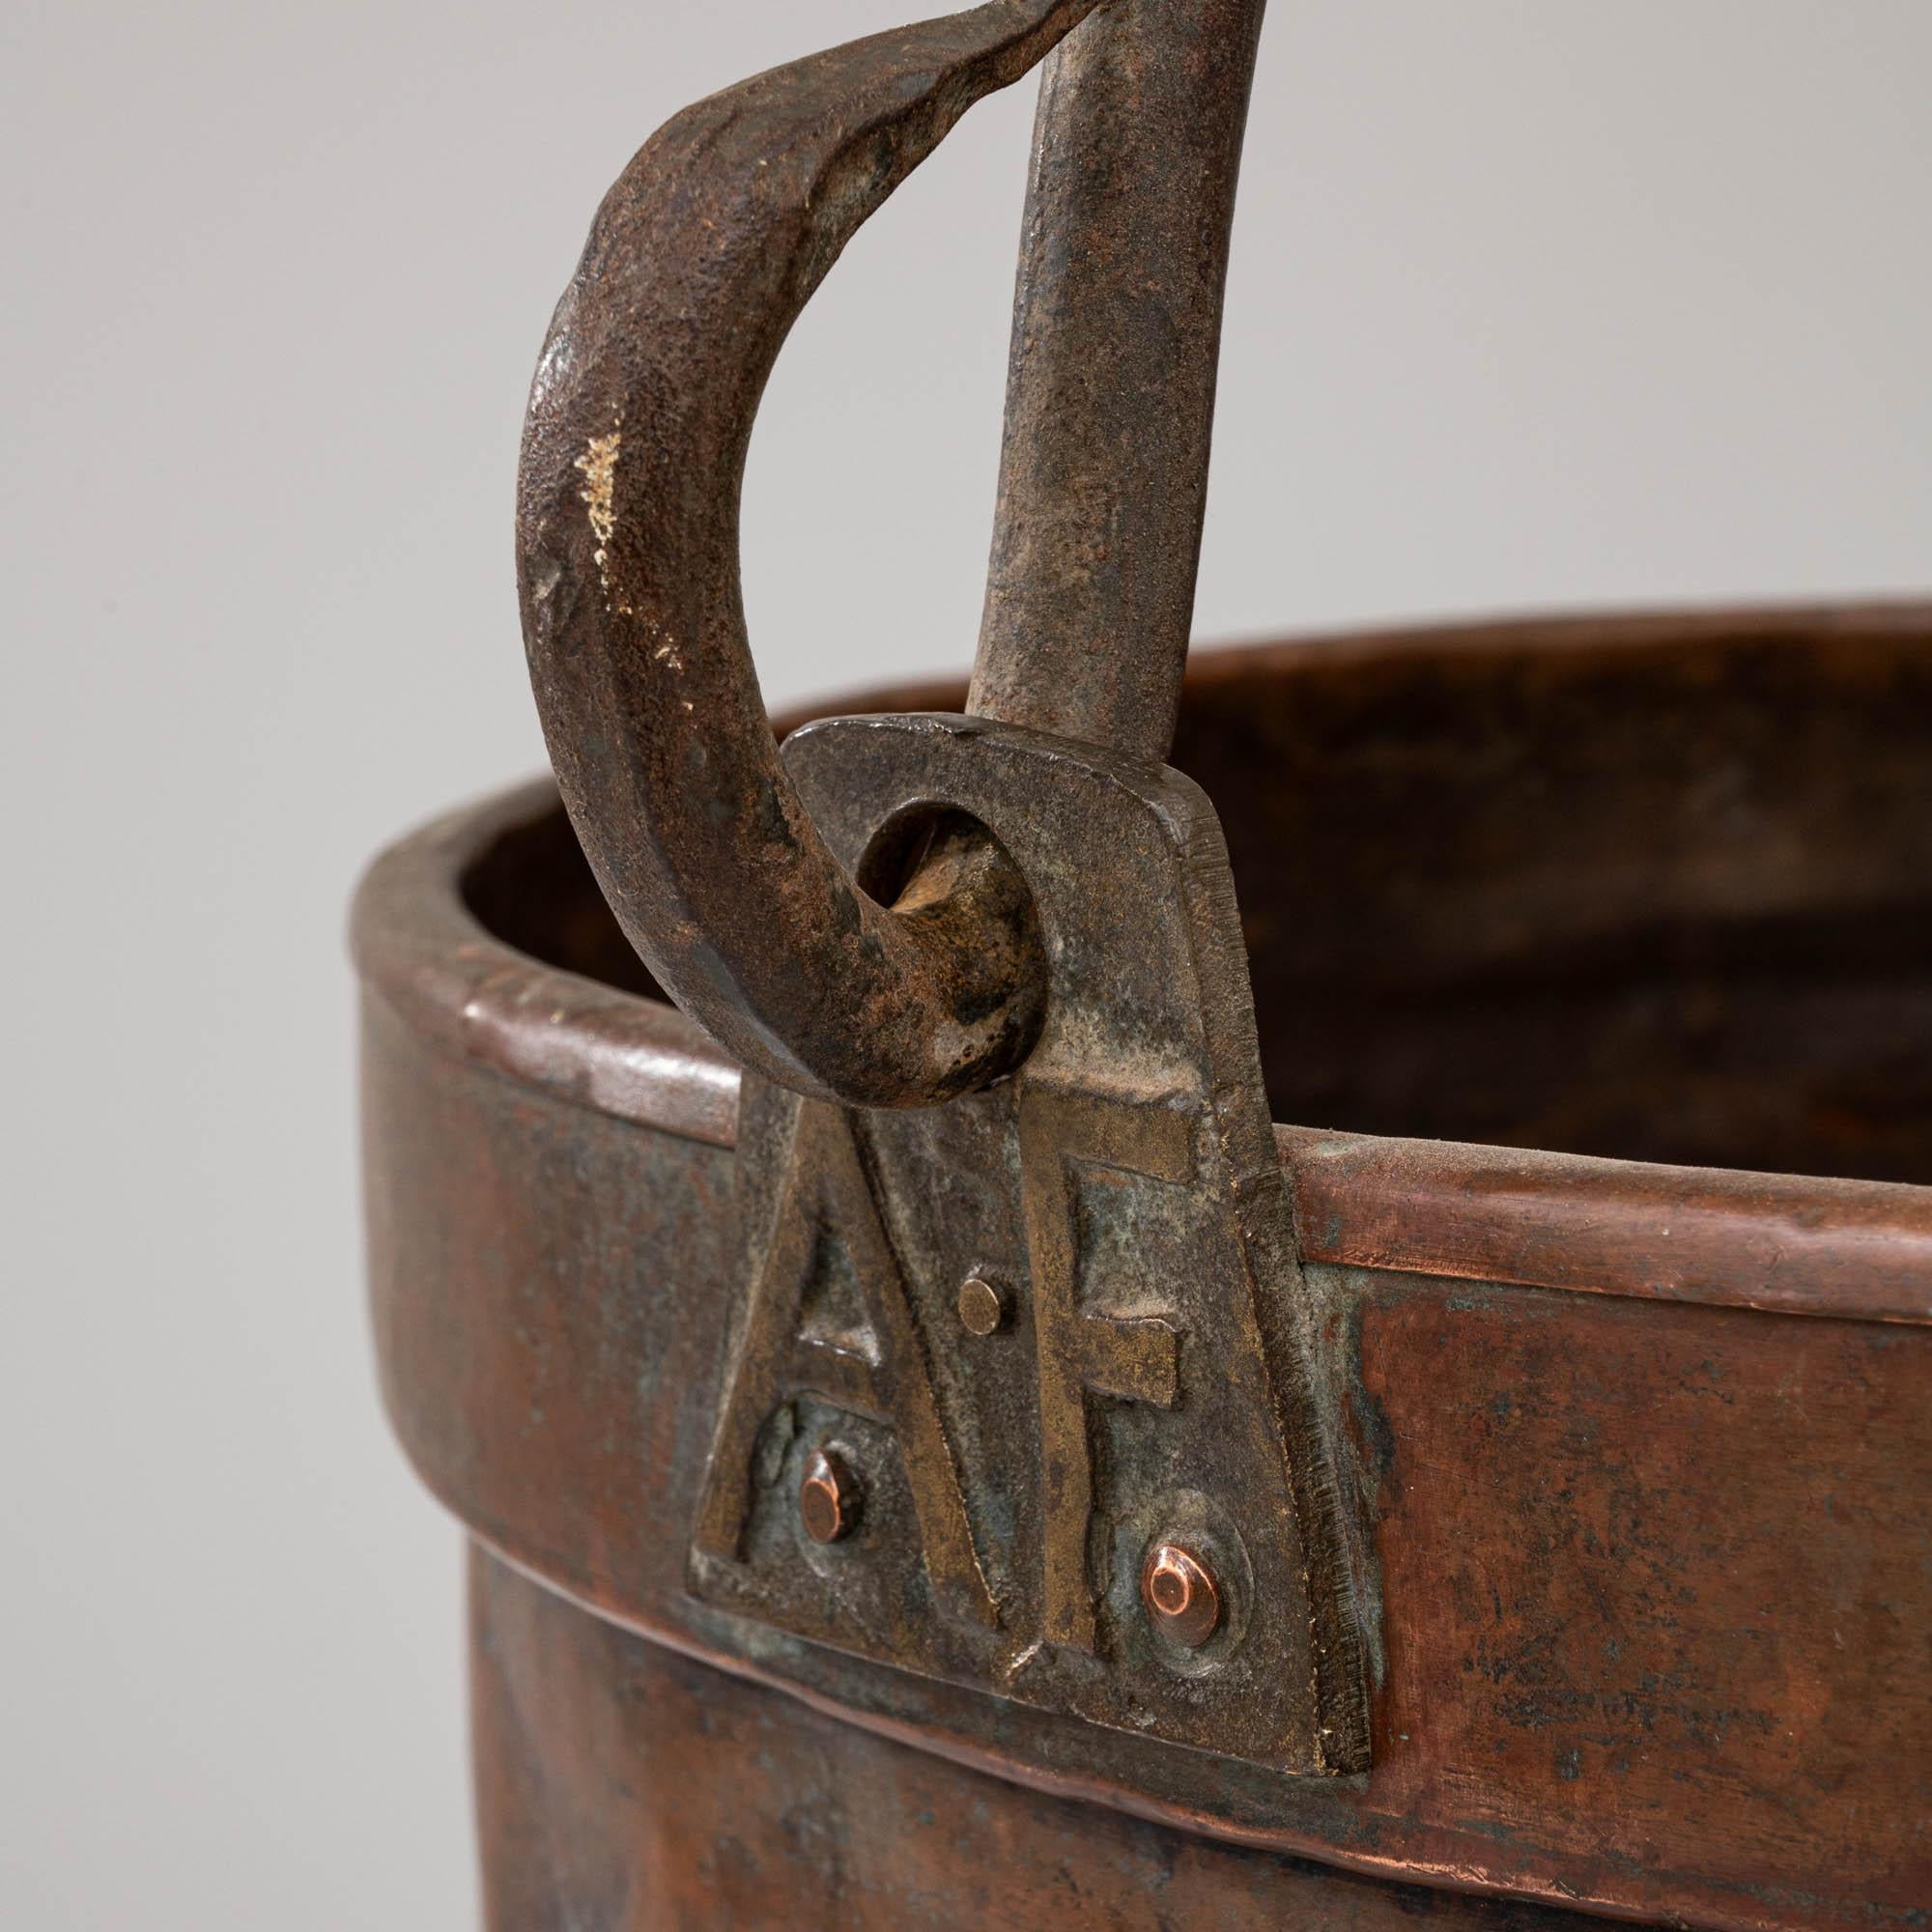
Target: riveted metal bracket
1030, 1464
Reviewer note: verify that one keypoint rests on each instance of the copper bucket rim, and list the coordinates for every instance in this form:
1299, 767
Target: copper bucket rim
1819, 1245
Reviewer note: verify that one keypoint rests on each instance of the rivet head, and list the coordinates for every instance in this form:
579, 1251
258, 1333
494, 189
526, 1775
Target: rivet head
982, 1305
1180, 1595
828, 1498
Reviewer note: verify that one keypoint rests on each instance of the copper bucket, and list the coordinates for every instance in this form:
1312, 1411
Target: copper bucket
943, 1458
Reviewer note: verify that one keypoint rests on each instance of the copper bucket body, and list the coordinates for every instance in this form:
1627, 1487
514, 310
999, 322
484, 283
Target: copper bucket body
1576, 947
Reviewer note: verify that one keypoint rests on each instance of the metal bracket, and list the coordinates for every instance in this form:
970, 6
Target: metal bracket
1020, 1394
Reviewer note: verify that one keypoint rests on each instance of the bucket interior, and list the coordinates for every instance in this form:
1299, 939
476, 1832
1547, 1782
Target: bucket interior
1652, 888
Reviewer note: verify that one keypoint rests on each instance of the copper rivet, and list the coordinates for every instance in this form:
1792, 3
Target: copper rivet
982, 1306
828, 1498
1181, 1594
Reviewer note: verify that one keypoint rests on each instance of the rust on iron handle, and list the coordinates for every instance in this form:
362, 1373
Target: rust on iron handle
699, 262
1110, 386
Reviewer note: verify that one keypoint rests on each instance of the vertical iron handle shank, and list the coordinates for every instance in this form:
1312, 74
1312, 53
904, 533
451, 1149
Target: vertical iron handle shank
1110, 386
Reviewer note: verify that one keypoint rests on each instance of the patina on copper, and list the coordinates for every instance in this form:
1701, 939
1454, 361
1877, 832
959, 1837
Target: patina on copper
1642, 1450
697, 1801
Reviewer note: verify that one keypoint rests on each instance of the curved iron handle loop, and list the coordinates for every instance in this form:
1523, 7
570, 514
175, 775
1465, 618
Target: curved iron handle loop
698, 263
699, 259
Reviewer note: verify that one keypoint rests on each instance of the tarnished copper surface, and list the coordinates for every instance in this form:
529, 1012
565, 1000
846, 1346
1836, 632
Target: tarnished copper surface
623, 1787
1641, 1451
1793, 1244
1616, 1757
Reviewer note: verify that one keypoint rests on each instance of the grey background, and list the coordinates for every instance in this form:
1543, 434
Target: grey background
1533, 303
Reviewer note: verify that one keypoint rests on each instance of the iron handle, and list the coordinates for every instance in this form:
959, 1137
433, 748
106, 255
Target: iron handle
1110, 390
699, 262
